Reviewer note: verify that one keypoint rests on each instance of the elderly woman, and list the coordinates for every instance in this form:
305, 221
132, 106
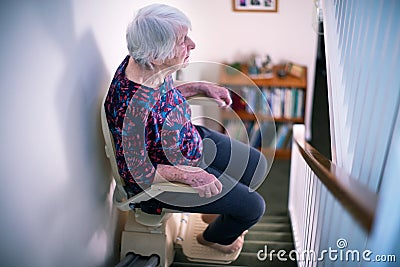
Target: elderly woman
155, 140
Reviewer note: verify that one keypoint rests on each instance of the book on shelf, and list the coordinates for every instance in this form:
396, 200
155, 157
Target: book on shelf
288, 103
262, 135
278, 102
285, 102
300, 104
250, 97
239, 130
283, 136
266, 94
287, 144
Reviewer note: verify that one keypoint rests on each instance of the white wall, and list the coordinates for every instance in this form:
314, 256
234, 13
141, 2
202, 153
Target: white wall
57, 58
55, 202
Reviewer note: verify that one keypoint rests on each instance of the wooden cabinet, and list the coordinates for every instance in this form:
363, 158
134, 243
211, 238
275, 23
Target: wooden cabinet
286, 98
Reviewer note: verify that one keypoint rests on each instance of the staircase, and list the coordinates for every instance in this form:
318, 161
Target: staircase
273, 232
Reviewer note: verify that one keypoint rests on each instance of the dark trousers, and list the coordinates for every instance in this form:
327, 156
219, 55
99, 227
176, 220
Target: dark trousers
241, 169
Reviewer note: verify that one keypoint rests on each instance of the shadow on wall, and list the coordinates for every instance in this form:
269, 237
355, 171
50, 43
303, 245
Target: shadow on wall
79, 113
56, 166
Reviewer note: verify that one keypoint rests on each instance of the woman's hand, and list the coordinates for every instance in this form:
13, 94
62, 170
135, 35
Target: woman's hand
207, 185
220, 94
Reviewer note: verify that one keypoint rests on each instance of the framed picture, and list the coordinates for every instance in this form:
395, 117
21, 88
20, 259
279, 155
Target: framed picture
255, 5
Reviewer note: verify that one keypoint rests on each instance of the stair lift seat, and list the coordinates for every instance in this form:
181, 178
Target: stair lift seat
153, 231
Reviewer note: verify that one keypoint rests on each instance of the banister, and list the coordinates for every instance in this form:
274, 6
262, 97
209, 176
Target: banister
355, 197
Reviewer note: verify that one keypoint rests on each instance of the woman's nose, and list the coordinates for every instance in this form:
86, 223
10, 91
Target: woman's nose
191, 44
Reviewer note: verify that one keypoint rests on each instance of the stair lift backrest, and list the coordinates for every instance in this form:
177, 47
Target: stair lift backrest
120, 195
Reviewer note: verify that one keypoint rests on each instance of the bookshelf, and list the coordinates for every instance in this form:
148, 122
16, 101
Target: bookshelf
286, 97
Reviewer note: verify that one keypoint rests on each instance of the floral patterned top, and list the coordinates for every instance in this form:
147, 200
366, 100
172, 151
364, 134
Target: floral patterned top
150, 126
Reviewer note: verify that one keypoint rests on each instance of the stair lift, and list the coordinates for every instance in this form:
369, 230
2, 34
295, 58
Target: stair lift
151, 231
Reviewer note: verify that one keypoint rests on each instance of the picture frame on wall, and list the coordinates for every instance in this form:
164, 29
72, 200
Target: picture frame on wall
255, 5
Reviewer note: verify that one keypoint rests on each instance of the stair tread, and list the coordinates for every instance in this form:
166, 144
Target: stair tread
283, 219
268, 235
255, 246
273, 223
201, 264
251, 259
267, 242
269, 227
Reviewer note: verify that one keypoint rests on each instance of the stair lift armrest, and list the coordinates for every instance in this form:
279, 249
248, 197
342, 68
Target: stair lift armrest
122, 203
173, 187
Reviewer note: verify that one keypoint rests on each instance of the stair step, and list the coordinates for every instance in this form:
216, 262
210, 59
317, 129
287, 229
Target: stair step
275, 219
270, 236
255, 246
272, 227
201, 264
251, 259
276, 213
245, 259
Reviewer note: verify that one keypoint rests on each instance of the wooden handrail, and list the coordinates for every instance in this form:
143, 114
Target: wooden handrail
356, 198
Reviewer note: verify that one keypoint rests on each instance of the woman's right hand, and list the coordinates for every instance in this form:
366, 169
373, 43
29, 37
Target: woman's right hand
206, 184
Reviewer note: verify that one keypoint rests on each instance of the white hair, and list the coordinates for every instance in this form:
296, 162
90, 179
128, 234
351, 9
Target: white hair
153, 33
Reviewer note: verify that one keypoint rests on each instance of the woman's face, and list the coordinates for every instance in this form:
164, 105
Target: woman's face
182, 49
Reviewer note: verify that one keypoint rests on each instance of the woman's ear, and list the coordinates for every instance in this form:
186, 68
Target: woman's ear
157, 62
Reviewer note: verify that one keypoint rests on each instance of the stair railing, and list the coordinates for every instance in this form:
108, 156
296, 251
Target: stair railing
330, 211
